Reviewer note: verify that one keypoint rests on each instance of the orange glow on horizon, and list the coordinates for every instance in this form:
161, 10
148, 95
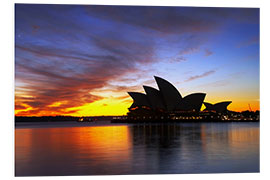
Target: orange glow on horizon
114, 104
115, 108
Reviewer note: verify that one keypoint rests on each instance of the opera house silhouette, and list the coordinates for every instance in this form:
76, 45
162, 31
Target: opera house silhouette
218, 107
167, 102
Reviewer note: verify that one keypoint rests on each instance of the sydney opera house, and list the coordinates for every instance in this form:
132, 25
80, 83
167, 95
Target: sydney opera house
166, 102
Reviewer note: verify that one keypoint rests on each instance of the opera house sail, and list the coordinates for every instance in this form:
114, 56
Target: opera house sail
169, 93
166, 102
218, 107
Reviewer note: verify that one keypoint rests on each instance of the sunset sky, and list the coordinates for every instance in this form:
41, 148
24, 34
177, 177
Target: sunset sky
82, 60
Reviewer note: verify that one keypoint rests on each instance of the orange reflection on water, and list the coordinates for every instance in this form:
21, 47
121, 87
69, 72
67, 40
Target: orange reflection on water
236, 140
72, 147
111, 142
244, 138
23, 143
203, 138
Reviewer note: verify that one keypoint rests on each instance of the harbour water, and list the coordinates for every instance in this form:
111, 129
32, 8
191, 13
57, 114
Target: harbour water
71, 148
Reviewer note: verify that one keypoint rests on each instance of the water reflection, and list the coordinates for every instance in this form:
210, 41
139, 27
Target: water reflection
68, 151
138, 149
196, 148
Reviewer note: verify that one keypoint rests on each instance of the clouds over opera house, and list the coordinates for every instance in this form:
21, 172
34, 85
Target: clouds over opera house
167, 99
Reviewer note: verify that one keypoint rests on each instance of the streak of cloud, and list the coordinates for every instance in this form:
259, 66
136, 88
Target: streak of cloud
249, 42
208, 52
200, 76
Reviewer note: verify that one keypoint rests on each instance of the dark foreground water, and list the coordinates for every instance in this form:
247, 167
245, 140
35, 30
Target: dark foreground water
108, 149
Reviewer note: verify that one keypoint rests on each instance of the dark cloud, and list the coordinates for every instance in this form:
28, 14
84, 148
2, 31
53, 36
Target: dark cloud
123, 97
200, 76
190, 44
35, 28
251, 41
19, 107
219, 83
189, 50
173, 19
178, 59
154, 18
127, 101
122, 88
207, 52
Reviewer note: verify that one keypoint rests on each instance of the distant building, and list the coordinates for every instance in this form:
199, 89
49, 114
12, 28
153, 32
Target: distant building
168, 100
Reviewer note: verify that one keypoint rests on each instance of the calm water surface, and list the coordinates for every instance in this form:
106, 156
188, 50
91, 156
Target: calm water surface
108, 149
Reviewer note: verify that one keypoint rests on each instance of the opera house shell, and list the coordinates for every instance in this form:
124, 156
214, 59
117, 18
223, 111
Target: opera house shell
166, 98
220, 107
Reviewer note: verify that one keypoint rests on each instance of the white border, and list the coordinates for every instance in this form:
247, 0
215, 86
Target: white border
207, 3
7, 82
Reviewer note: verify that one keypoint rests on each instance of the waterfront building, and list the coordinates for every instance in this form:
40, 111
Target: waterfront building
166, 102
